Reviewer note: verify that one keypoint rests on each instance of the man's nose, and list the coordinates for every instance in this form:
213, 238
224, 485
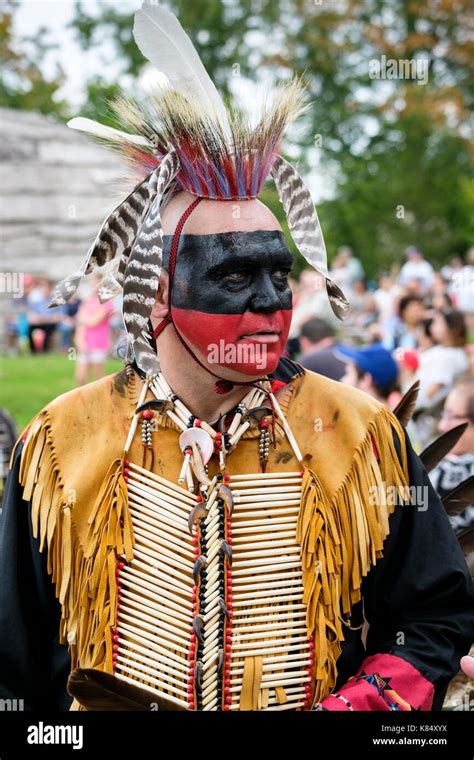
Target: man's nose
265, 297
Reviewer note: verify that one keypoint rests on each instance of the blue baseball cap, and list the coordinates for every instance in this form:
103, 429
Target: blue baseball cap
375, 360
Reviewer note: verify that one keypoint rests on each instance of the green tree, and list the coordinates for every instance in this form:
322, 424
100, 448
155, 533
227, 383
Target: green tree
398, 148
22, 83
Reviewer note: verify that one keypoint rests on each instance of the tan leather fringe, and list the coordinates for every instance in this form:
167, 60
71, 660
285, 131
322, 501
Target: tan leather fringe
84, 576
342, 538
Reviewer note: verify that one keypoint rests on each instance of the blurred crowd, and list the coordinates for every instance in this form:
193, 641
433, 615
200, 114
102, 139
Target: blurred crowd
91, 330
413, 325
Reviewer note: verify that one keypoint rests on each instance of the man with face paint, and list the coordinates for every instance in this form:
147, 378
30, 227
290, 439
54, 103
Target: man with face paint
226, 558
230, 290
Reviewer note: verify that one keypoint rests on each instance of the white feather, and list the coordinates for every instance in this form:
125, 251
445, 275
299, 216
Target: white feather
101, 130
163, 41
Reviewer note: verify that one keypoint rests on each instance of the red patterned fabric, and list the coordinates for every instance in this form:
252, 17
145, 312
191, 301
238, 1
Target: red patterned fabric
384, 682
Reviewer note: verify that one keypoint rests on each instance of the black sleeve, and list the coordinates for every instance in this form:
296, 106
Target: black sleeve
34, 666
419, 598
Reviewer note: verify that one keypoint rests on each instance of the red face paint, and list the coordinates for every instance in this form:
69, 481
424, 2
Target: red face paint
249, 343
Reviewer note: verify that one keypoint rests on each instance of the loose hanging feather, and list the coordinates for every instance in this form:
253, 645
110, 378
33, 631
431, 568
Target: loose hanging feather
460, 497
305, 229
405, 408
436, 451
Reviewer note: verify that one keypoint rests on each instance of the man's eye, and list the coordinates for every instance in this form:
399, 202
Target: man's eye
281, 274
235, 278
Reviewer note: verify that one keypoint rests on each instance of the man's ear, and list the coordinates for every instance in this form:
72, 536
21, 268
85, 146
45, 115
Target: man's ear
366, 381
160, 307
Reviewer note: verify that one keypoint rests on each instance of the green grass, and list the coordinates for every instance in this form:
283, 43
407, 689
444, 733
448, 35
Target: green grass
29, 382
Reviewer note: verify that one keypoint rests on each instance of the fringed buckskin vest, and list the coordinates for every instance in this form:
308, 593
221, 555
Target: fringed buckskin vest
123, 560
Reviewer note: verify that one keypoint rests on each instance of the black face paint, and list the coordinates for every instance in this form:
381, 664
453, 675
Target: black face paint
232, 288
231, 272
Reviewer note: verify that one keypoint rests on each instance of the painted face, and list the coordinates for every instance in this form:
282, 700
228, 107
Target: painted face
231, 300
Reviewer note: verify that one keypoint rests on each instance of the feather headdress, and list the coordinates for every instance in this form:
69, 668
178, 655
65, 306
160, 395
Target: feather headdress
186, 138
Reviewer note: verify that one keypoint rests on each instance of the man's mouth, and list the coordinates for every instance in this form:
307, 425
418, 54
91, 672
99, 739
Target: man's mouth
262, 336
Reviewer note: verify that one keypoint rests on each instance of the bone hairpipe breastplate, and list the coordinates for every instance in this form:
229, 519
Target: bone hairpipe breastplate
199, 630
211, 613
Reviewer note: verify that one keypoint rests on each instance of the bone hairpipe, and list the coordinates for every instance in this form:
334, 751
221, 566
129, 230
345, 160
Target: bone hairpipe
267, 491
170, 697
179, 619
177, 511
256, 542
154, 566
132, 669
157, 576
138, 504
273, 662
160, 595
146, 636
251, 476
169, 538
126, 632
168, 486
265, 597
162, 668
179, 665
175, 559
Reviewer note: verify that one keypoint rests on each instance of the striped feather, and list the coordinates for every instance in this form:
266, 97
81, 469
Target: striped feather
305, 228
142, 273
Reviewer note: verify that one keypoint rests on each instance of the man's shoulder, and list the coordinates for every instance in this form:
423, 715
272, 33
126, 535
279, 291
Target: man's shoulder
81, 404
321, 389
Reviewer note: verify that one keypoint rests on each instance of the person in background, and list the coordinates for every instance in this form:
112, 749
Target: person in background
442, 364
372, 369
458, 465
416, 268
311, 302
403, 330
67, 324
93, 336
42, 322
385, 297
438, 296
425, 338
346, 269
318, 343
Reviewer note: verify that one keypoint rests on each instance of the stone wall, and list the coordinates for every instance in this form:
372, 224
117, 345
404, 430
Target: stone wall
56, 187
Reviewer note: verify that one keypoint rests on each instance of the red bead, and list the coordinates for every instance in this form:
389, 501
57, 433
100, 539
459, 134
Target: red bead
115, 637
191, 705
229, 597
122, 565
190, 690
263, 425
147, 414
227, 671
310, 645
227, 691
226, 707
115, 647
227, 477
197, 423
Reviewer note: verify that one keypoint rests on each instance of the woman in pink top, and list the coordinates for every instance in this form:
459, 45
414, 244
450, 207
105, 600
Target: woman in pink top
93, 341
